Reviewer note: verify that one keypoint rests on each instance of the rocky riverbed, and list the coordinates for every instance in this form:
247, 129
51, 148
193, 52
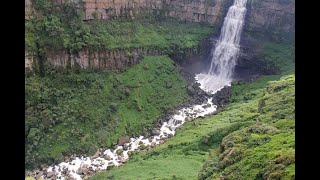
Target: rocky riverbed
82, 167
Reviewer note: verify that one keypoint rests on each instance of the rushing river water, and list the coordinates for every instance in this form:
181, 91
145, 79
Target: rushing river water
110, 157
220, 74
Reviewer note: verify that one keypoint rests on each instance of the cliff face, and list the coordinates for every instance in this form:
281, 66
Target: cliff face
208, 11
264, 17
266, 20
271, 17
106, 59
103, 59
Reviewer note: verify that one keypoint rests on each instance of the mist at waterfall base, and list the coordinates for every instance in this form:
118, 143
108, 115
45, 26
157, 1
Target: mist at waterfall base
224, 57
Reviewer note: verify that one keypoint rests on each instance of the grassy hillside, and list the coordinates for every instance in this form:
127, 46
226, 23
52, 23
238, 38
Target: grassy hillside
266, 149
253, 138
241, 142
163, 35
68, 112
278, 57
77, 113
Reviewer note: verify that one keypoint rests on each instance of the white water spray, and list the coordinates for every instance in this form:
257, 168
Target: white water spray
225, 55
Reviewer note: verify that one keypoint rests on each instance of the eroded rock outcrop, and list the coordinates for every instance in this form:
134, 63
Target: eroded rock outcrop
270, 15
208, 11
266, 20
103, 59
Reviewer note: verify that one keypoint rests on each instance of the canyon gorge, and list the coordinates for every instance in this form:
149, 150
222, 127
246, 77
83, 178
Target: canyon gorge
151, 89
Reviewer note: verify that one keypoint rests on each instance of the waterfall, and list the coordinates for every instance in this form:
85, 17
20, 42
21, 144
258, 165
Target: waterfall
224, 57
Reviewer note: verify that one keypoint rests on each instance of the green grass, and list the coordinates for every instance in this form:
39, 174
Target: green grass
279, 56
77, 113
258, 138
250, 152
165, 36
64, 28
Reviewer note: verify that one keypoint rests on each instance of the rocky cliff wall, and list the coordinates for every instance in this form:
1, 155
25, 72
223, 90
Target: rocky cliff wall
107, 59
271, 18
208, 11
264, 17
103, 59
266, 21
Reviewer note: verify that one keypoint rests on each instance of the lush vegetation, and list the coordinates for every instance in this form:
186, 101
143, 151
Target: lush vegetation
116, 34
79, 112
63, 28
55, 27
266, 149
76, 112
279, 58
69, 112
253, 138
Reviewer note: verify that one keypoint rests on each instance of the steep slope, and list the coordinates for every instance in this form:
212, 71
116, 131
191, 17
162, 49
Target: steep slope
253, 138
264, 150
58, 37
74, 111
264, 128
70, 113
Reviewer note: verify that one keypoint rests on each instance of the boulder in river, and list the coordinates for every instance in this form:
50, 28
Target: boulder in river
83, 169
142, 147
206, 106
51, 174
177, 122
155, 132
171, 128
96, 155
150, 138
119, 152
44, 167
123, 140
125, 146
191, 90
153, 144
122, 160
39, 174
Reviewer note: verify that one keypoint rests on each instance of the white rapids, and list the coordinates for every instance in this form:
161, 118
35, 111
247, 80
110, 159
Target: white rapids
220, 74
224, 57
70, 170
